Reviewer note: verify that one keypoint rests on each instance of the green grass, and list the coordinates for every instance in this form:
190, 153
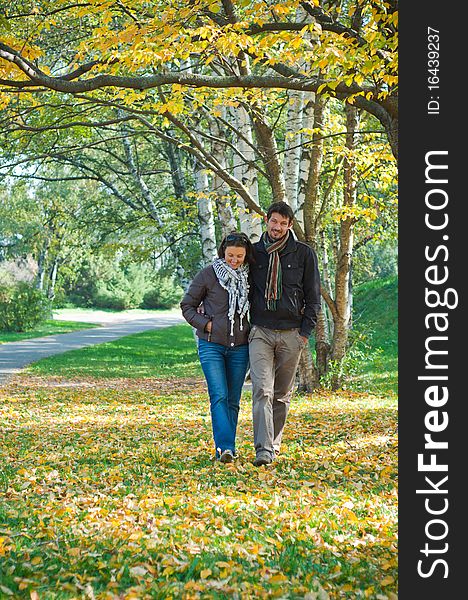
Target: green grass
376, 316
113, 491
376, 303
49, 327
169, 352
120, 497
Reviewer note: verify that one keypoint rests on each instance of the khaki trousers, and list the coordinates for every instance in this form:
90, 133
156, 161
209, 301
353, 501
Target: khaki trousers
274, 356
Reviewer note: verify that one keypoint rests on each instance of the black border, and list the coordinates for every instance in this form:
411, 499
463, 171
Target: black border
419, 133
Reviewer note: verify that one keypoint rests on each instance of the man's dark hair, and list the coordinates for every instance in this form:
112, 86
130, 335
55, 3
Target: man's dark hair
281, 208
239, 240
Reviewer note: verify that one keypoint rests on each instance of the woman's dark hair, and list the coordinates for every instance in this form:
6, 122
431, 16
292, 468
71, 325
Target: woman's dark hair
239, 240
281, 208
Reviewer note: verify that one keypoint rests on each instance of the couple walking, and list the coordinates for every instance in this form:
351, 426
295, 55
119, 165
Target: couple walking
275, 285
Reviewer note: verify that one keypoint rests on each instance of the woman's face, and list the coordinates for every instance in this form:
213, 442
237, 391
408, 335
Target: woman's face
234, 256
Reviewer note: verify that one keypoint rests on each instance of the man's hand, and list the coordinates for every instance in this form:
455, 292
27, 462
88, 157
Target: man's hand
304, 339
208, 327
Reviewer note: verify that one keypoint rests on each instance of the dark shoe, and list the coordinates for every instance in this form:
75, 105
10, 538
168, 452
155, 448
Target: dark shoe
227, 456
263, 458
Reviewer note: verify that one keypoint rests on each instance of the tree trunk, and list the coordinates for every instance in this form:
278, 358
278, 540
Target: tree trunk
292, 148
304, 165
41, 264
177, 174
205, 215
327, 316
245, 171
308, 379
312, 192
53, 279
322, 343
307, 374
342, 286
268, 150
226, 215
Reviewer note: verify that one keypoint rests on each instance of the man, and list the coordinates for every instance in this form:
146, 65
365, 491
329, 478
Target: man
285, 300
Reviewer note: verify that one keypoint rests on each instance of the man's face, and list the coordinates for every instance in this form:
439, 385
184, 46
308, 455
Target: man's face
277, 226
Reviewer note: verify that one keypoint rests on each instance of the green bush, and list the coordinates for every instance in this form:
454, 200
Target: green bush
113, 299
165, 294
22, 307
110, 283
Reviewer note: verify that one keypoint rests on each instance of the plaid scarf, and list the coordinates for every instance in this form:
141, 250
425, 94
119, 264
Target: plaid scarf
274, 281
236, 283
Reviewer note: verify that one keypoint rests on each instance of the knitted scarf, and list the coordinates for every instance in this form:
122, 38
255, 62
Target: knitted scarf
274, 282
236, 283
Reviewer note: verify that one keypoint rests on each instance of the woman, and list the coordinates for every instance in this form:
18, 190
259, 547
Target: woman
222, 330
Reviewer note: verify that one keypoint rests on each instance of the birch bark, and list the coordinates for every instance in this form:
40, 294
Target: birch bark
226, 214
245, 171
304, 165
205, 215
292, 150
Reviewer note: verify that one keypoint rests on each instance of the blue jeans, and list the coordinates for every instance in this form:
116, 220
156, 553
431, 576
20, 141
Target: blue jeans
224, 370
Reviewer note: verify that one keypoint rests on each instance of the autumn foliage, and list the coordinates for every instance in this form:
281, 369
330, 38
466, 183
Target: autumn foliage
111, 492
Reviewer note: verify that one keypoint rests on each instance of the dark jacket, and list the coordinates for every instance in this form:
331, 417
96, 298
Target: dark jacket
300, 300
205, 288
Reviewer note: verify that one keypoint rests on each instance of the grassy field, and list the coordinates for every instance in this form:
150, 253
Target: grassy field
376, 317
112, 494
49, 327
108, 490
171, 352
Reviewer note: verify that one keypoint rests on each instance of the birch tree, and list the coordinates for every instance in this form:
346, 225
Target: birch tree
205, 214
244, 170
220, 189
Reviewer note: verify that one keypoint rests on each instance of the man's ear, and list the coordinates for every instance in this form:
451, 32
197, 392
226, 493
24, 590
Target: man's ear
265, 218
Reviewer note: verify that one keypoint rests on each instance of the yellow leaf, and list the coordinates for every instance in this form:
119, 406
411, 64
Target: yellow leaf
205, 573
387, 580
278, 578
351, 516
36, 560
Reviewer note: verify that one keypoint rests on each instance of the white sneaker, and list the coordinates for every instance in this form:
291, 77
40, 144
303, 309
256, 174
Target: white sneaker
227, 456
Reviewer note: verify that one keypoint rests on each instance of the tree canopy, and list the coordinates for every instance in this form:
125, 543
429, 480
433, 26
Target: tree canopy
132, 50
183, 120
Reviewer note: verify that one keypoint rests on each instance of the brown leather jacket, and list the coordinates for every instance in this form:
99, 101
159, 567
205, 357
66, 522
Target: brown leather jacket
205, 288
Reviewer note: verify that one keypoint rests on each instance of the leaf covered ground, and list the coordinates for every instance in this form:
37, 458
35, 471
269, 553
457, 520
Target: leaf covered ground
110, 492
